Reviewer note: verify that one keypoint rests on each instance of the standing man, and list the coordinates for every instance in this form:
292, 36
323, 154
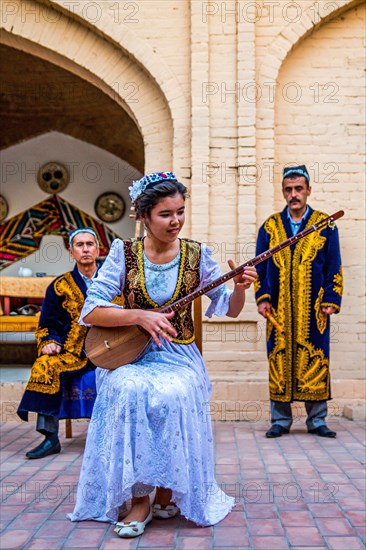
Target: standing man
301, 286
62, 379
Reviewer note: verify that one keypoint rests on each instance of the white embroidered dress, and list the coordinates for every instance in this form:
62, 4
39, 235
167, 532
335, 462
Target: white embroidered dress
151, 421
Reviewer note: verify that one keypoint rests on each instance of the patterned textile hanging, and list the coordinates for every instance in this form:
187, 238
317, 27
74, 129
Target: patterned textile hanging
21, 235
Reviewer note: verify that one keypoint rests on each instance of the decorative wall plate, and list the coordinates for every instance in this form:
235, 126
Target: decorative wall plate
53, 177
4, 208
110, 207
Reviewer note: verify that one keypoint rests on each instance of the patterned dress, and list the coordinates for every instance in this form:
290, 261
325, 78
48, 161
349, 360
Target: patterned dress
151, 421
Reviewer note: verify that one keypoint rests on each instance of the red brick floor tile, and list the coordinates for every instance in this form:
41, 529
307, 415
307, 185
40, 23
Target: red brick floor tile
265, 543
269, 527
339, 526
356, 518
304, 536
91, 525
344, 543
325, 510
231, 536
233, 519
11, 512
228, 469
297, 519
12, 539
335, 478
356, 473
116, 543
260, 511
351, 503
286, 504
84, 538
361, 531
55, 529
289, 488
188, 529
28, 520
43, 544
193, 543
152, 538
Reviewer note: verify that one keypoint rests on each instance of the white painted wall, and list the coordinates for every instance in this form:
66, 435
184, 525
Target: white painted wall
92, 171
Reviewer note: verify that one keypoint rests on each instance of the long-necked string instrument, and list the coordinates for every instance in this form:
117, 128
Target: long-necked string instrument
113, 347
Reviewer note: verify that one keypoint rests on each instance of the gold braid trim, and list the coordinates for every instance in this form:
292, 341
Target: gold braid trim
257, 285
329, 304
338, 282
304, 254
280, 358
40, 334
321, 317
180, 274
73, 303
188, 279
263, 298
310, 366
140, 261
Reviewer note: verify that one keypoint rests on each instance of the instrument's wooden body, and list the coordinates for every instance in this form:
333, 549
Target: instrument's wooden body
113, 347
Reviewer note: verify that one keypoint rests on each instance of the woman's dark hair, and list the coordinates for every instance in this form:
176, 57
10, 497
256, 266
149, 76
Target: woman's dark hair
151, 196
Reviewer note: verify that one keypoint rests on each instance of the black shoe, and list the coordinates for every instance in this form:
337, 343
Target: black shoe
47, 447
323, 431
276, 431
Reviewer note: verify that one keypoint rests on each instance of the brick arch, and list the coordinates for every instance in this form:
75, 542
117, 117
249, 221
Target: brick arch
122, 36
66, 42
283, 44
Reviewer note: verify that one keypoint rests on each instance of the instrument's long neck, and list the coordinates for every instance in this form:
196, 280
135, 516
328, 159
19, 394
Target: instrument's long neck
258, 259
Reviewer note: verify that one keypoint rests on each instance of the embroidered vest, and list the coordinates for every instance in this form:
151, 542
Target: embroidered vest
135, 293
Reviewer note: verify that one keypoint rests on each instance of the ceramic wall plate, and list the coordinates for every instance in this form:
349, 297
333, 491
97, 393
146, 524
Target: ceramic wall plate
53, 177
110, 207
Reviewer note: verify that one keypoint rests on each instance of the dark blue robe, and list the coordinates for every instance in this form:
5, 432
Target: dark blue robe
297, 282
61, 385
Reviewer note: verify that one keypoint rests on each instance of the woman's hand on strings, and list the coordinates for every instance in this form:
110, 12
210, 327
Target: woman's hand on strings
244, 279
157, 325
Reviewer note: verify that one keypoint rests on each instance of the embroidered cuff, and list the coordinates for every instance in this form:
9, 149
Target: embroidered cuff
329, 304
45, 343
263, 298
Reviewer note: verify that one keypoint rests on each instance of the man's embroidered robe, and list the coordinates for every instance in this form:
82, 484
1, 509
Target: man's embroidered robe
297, 282
61, 385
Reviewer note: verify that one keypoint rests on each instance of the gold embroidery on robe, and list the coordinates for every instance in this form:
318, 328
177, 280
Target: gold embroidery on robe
46, 371
321, 317
296, 370
338, 282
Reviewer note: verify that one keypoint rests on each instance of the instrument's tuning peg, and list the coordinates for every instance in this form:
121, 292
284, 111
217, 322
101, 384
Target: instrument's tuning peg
133, 210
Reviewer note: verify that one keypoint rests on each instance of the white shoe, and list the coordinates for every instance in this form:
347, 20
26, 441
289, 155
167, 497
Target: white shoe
132, 529
164, 512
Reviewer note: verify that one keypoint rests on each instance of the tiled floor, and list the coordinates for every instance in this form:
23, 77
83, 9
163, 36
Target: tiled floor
299, 491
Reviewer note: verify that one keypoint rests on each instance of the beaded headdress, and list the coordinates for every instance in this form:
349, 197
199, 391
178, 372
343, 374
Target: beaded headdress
75, 232
148, 181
